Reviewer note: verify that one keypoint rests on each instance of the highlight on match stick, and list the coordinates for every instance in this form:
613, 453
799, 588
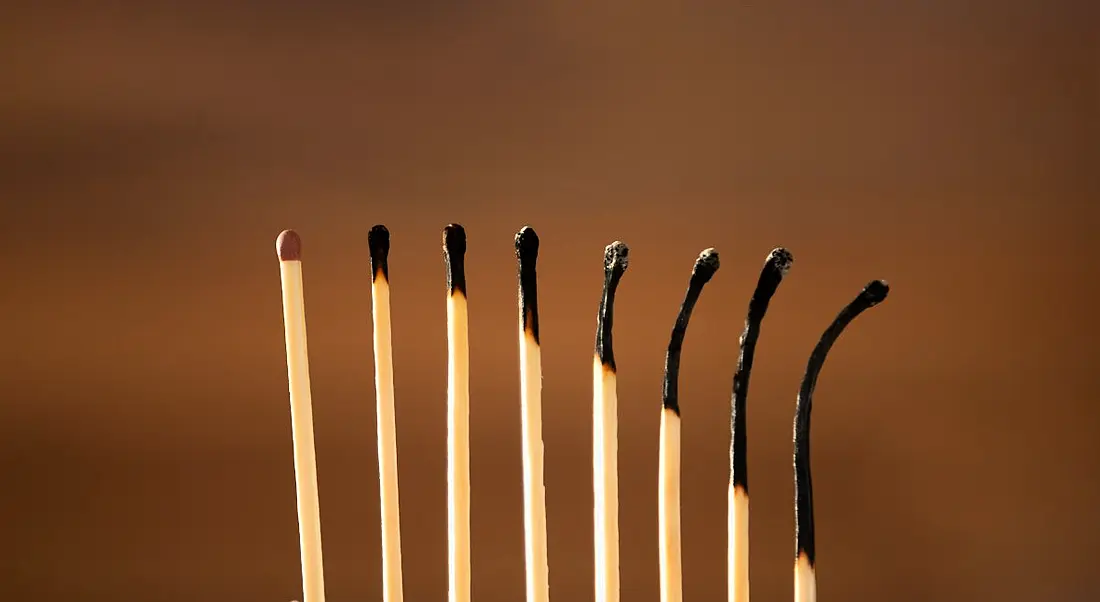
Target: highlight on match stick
288, 246
458, 416
530, 357
378, 240
805, 578
668, 501
775, 268
605, 432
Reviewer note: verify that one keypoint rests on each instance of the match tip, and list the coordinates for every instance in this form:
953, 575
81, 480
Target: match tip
782, 259
289, 246
527, 243
707, 264
378, 239
876, 292
616, 256
454, 240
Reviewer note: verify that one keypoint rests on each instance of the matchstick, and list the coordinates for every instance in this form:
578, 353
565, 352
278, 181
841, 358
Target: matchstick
737, 575
379, 242
458, 416
605, 427
668, 500
530, 375
805, 579
289, 248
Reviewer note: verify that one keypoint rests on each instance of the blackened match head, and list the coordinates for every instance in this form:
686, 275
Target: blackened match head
378, 239
454, 240
616, 256
289, 246
875, 292
454, 252
706, 265
782, 259
527, 244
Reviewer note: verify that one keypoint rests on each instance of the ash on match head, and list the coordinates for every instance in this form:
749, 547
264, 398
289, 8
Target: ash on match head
379, 242
527, 253
615, 262
781, 259
706, 265
289, 246
454, 253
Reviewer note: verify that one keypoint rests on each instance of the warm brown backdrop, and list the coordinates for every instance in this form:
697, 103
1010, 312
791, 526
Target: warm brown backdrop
151, 152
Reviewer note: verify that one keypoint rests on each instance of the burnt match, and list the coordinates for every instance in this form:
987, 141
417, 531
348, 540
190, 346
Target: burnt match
805, 579
530, 375
289, 248
605, 432
775, 267
458, 416
668, 500
378, 239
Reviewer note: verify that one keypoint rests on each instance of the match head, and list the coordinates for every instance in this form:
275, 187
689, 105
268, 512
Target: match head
454, 240
782, 259
378, 239
616, 256
527, 244
875, 292
706, 265
289, 246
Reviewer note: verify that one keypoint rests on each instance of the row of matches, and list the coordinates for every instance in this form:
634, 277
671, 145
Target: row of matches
604, 425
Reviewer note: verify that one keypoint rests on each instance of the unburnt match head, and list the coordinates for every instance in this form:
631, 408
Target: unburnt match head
615, 261
454, 253
701, 273
527, 254
289, 246
378, 239
874, 293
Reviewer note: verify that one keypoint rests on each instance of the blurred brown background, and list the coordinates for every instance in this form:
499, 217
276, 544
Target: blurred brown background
151, 152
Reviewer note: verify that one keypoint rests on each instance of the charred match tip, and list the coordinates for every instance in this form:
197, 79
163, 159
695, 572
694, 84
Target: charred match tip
289, 246
706, 265
378, 239
782, 259
875, 292
616, 256
527, 253
454, 253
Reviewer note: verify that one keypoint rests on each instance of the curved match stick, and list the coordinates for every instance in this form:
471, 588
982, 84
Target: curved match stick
379, 242
805, 579
530, 358
458, 415
668, 500
775, 267
605, 462
289, 248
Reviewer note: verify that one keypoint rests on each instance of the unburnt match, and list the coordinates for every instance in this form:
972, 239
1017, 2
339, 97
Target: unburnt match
530, 376
289, 248
605, 432
668, 500
775, 267
805, 579
379, 242
458, 416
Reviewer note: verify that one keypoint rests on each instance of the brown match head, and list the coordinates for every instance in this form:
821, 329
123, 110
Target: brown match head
289, 246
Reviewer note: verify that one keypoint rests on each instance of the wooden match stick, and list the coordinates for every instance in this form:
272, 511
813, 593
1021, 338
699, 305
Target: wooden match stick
458, 416
805, 579
668, 500
289, 248
530, 375
605, 430
379, 242
775, 267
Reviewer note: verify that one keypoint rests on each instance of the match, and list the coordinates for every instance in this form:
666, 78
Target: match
775, 267
530, 375
605, 432
379, 242
458, 416
289, 248
805, 578
668, 500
